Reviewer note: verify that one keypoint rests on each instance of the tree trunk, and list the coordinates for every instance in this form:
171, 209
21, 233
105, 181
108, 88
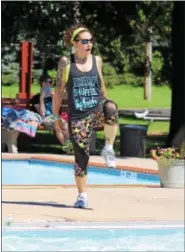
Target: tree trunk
176, 135
148, 71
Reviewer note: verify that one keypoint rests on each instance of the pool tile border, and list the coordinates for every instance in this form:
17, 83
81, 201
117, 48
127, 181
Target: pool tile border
20, 156
74, 186
71, 223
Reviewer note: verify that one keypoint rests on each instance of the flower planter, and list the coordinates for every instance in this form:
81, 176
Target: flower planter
171, 173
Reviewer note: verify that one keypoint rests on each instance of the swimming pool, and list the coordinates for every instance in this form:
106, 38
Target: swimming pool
33, 172
95, 237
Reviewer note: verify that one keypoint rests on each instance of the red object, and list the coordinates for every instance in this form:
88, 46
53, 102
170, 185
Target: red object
64, 116
26, 59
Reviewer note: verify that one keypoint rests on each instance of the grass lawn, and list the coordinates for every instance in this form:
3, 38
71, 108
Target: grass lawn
133, 97
125, 97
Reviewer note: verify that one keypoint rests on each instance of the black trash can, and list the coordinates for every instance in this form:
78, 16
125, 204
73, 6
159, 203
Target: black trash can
132, 140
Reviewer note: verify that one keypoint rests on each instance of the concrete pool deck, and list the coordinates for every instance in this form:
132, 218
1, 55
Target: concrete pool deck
105, 204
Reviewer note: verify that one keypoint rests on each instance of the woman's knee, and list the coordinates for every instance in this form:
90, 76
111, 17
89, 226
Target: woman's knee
110, 105
111, 112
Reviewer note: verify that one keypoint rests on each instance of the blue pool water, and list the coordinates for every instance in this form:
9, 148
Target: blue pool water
96, 239
32, 172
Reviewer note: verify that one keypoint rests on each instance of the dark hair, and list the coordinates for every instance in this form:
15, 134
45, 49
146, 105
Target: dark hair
68, 34
44, 78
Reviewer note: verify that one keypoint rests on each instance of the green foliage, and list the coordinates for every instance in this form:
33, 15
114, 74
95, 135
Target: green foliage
10, 73
137, 56
167, 153
36, 73
131, 80
110, 75
152, 22
114, 54
120, 38
157, 65
10, 66
9, 79
53, 75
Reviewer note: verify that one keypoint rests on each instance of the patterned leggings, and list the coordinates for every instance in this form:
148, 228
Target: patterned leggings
81, 132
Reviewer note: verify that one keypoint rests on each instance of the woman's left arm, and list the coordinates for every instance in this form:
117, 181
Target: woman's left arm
99, 65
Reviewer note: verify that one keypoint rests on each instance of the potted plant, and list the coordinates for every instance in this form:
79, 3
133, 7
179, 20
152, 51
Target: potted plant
171, 166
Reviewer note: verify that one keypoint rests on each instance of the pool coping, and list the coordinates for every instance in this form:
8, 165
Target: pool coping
74, 186
54, 158
65, 224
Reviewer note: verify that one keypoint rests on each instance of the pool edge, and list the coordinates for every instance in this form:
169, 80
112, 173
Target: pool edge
45, 225
74, 186
53, 158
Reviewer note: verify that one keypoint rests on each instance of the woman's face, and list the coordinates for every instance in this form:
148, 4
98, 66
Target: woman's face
46, 83
84, 43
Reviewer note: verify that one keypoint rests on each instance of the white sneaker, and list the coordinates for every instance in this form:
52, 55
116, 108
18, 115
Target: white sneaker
109, 156
81, 202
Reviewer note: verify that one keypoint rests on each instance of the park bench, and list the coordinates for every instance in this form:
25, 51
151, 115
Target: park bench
153, 115
9, 137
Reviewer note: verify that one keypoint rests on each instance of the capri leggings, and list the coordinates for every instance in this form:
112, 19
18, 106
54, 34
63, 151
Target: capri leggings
81, 132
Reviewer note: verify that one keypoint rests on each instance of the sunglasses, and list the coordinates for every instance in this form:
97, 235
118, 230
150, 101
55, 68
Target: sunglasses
49, 81
85, 41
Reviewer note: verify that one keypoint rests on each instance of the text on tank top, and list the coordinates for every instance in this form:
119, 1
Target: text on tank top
84, 90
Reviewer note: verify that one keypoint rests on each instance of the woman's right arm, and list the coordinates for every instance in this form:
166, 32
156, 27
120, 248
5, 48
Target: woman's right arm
60, 86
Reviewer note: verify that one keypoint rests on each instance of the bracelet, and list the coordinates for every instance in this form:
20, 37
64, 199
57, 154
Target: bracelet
55, 117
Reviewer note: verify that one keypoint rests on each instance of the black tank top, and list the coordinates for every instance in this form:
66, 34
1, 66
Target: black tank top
84, 90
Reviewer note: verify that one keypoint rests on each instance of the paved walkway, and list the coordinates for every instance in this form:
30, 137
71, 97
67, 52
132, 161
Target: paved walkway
105, 204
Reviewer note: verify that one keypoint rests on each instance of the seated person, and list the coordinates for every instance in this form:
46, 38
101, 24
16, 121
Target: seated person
42, 102
43, 105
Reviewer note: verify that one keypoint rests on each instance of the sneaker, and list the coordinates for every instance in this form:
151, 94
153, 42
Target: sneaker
109, 156
81, 202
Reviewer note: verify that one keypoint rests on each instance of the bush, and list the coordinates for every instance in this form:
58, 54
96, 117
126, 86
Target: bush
112, 78
36, 73
130, 79
10, 73
110, 75
9, 79
157, 65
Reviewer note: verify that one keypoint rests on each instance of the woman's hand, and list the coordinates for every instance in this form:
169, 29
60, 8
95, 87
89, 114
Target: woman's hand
46, 92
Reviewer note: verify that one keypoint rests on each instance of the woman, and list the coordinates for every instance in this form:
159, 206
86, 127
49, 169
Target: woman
88, 106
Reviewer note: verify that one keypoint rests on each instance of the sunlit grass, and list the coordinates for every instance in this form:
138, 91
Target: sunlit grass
125, 97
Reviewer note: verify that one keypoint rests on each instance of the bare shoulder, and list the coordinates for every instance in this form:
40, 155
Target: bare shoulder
99, 59
63, 61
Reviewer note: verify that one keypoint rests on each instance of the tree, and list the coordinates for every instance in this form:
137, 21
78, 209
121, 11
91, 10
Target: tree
42, 22
176, 135
152, 20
